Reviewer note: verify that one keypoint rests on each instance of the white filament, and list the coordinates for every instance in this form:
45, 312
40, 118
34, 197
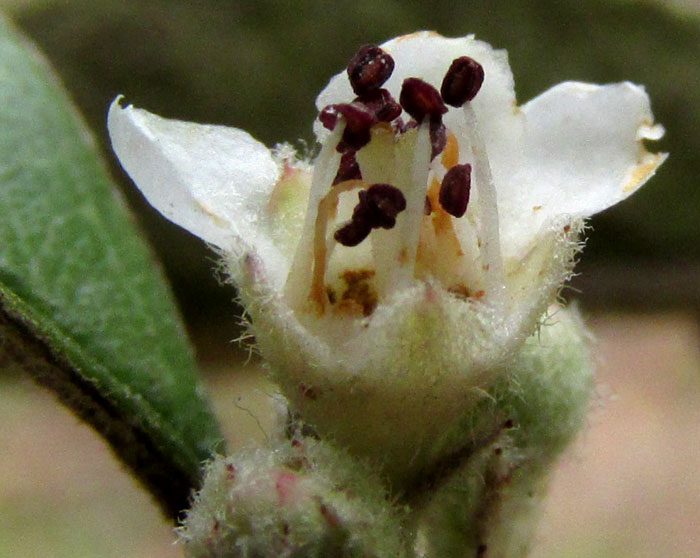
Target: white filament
414, 193
326, 166
487, 199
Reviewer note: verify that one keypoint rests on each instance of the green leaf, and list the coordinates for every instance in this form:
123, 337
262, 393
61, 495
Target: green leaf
82, 307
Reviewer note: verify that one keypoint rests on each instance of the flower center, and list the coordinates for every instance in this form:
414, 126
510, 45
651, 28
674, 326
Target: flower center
392, 201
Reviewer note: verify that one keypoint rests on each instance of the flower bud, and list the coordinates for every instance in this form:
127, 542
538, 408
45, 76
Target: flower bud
302, 498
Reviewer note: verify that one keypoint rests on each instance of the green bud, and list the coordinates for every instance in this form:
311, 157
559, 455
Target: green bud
485, 497
300, 499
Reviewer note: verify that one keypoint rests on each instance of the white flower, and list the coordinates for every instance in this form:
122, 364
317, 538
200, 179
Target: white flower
382, 344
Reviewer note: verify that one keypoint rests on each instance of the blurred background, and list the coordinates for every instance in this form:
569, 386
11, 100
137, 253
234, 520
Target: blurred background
629, 488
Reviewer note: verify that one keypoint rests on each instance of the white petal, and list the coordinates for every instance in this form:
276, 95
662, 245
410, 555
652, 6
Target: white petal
583, 153
428, 55
211, 180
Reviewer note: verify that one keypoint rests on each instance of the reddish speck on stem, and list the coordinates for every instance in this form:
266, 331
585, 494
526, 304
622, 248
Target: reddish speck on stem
285, 484
230, 471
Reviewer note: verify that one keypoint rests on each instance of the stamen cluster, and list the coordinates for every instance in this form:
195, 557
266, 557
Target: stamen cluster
367, 72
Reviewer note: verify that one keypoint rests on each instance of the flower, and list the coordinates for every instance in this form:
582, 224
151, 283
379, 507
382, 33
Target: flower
394, 281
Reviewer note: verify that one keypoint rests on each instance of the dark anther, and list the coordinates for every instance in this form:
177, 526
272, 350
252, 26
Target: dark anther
383, 202
454, 191
382, 104
329, 116
352, 233
438, 135
378, 207
352, 141
427, 206
357, 116
358, 123
369, 69
348, 168
418, 98
462, 81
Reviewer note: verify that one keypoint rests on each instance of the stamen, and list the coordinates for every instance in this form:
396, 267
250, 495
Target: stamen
383, 202
357, 132
382, 104
357, 116
402, 157
319, 250
462, 81
369, 69
438, 135
302, 269
487, 199
419, 99
440, 253
329, 116
443, 224
378, 207
352, 233
414, 182
358, 123
454, 191
349, 169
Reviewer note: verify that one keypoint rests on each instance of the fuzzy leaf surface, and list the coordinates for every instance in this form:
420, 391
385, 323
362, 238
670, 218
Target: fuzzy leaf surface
83, 308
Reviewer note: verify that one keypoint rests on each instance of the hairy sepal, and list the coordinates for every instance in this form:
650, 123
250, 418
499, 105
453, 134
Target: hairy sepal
405, 375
